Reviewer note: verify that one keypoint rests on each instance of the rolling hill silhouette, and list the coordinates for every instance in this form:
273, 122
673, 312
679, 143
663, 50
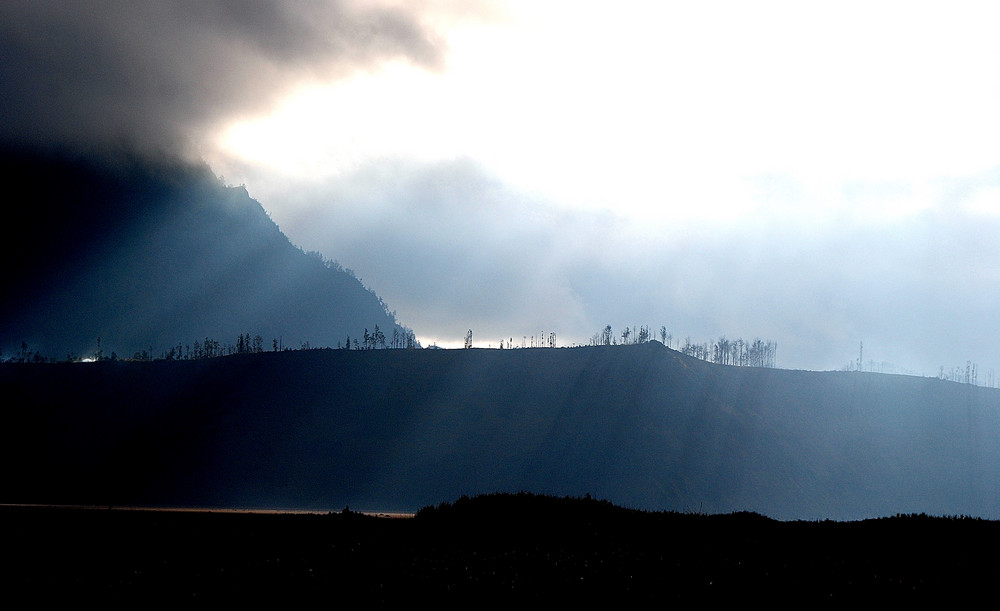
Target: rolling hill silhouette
150, 254
394, 430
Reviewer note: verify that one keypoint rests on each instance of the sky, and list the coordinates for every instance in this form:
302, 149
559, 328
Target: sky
820, 175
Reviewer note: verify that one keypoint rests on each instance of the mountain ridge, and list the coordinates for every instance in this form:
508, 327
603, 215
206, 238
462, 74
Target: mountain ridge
148, 254
393, 430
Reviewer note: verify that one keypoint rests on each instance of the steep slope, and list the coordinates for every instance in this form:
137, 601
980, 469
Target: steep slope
642, 426
149, 254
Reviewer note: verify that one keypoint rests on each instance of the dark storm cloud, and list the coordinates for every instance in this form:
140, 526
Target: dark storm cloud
156, 73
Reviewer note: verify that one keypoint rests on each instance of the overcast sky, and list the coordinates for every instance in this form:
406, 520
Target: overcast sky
815, 174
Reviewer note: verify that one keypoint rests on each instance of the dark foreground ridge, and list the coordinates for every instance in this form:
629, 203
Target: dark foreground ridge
500, 548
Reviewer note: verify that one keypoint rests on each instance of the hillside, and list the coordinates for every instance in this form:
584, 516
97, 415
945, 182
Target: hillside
394, 430
153, 254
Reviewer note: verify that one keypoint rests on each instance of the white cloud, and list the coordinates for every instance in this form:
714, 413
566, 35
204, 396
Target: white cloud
660, 109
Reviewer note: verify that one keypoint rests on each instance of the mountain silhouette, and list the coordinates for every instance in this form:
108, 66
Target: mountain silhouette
395, 430
150, 254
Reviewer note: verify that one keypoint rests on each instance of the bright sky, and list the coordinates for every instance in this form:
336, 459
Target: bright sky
663, 109
751, 142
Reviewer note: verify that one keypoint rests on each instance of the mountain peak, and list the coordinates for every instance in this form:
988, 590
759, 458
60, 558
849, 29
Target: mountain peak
150, 254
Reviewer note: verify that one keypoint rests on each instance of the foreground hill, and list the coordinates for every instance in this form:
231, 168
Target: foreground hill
501, 548
152, 254
394, 430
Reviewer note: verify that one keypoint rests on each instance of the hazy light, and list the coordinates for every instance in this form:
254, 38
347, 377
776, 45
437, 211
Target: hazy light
678, 136
663, 111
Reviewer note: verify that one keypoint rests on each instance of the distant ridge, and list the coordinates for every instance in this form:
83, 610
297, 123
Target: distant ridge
153, 254
395, 430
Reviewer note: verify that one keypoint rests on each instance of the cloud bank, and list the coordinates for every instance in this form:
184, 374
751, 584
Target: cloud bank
452, 247
154, 74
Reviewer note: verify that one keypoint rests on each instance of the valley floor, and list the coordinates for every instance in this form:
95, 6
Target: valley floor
504, 549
